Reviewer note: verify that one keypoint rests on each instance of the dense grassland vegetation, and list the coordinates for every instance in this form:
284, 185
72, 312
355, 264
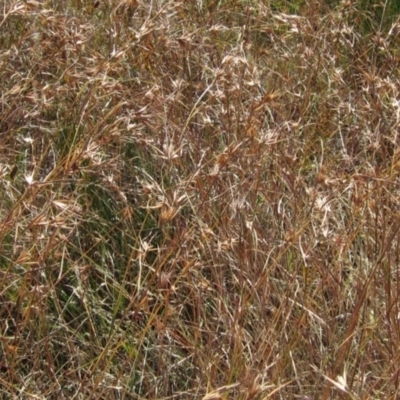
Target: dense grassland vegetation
199, 199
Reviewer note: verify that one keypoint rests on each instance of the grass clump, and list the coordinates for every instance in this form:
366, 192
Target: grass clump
199, 200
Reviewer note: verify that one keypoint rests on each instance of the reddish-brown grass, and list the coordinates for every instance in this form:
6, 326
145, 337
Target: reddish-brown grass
199, 200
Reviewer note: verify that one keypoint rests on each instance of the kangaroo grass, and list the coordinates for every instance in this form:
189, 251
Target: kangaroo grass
199, 200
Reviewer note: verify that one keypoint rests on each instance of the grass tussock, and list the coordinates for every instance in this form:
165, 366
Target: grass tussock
199, 200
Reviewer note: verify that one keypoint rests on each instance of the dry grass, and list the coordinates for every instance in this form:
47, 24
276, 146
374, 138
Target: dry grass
199, 200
